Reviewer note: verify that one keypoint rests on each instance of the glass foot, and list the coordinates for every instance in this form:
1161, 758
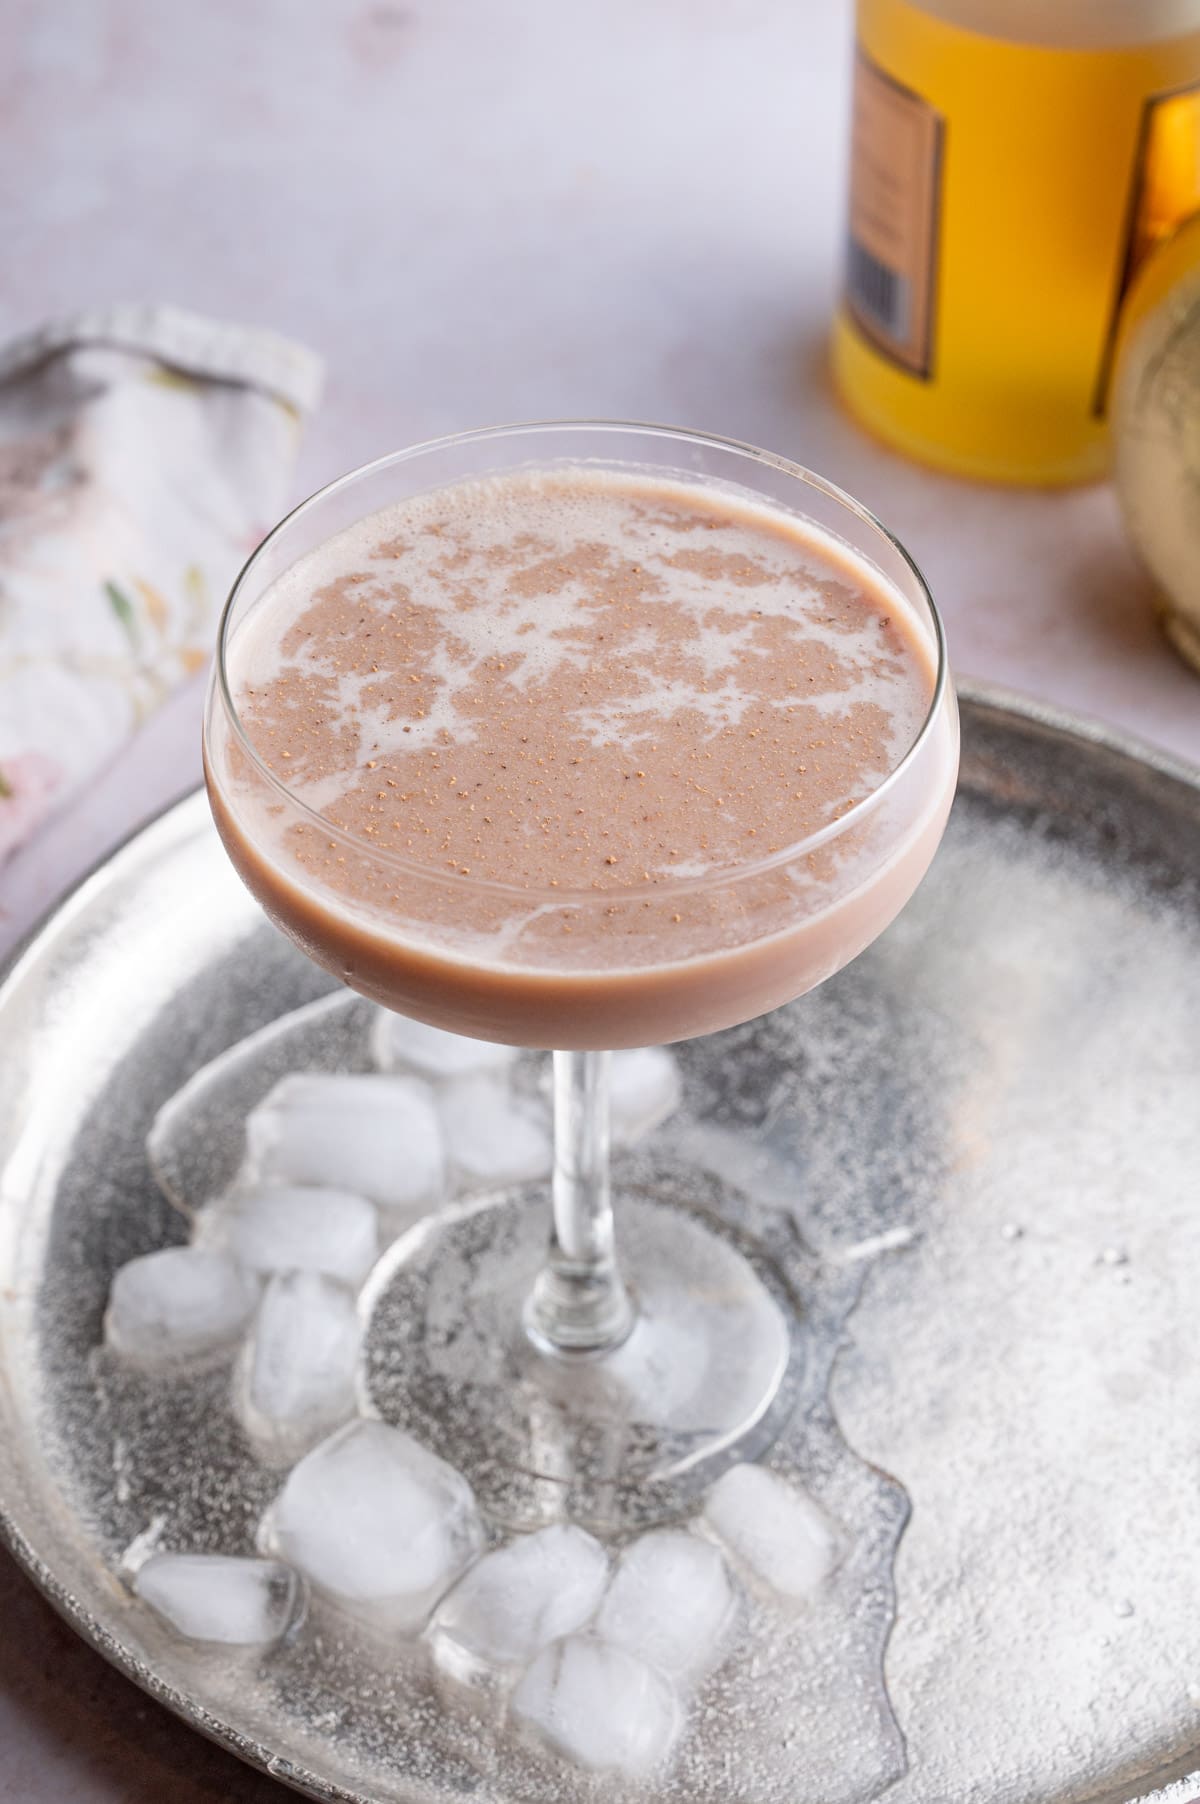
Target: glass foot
620, 1439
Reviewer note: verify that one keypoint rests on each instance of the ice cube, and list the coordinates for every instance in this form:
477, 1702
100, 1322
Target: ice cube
600, 1706
522, 1597
776, 1529
644, 1088
493, 1136
301, 1228
177, 1304
396, 1040
298, 1375
377, 1136
217, 1597
377, 1523
670, 1602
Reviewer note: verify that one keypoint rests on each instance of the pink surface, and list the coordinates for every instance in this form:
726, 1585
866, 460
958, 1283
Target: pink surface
481, 213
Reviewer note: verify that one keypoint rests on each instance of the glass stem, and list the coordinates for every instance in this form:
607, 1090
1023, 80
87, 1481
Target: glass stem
579, 1303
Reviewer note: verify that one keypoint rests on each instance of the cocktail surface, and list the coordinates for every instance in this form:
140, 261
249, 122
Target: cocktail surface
566, 680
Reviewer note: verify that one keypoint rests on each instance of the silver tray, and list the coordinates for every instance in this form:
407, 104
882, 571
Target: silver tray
987, 1132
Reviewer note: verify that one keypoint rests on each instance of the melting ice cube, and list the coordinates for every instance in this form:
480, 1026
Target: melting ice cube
377, 1136
215, 1597
298, 1375
494, 1137
600, 1706
378, 1523
177, 1304
670, 1602
644, 1089
396, 1040
301, 1228
522, 1597
774, 1528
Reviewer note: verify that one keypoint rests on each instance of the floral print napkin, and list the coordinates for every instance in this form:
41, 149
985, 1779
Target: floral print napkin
144, 452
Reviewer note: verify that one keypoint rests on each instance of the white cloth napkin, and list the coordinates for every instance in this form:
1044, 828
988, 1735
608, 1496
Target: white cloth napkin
144, 452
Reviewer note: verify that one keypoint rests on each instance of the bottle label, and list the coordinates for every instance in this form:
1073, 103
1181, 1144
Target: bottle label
1165, 191
895, 200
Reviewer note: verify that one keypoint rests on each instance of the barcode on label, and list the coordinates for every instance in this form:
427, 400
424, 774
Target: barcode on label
880, 292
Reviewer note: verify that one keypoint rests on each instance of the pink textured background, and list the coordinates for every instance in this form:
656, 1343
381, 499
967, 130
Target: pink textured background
480, 212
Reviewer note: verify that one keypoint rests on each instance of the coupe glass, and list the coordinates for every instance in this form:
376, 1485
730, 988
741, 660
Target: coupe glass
572, 1356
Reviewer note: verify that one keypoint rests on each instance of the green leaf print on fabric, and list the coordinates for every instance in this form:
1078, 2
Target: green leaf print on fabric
163, 376
123, 608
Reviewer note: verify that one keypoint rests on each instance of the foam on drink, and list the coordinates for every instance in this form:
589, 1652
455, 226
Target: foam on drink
516, 698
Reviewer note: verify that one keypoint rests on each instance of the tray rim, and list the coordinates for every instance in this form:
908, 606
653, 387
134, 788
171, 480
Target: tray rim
984, 697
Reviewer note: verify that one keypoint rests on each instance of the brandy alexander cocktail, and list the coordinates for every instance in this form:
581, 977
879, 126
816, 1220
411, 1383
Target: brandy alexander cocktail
569, 756
585, 737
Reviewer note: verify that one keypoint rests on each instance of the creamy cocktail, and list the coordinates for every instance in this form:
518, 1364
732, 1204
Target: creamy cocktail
555, 738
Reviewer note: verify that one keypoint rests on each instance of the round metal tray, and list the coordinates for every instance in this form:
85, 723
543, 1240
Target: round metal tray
987, 1135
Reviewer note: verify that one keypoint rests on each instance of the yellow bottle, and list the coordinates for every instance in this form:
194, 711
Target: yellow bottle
1012, 164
